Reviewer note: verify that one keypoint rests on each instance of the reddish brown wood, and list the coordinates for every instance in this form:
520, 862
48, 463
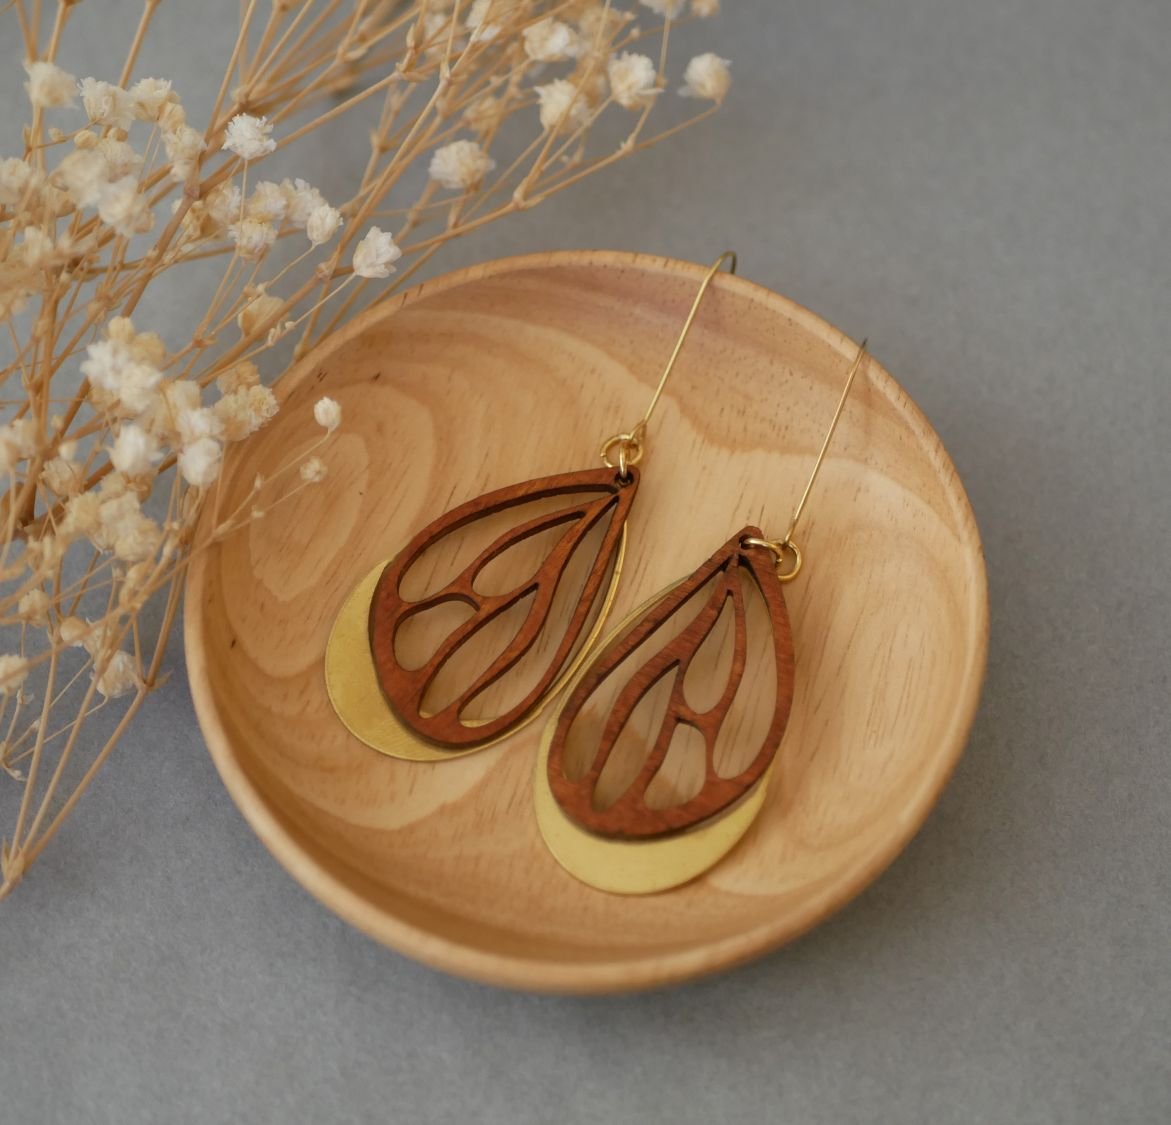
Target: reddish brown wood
405, 688
629, 817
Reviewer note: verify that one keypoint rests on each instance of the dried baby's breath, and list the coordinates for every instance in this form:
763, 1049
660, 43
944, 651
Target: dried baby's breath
327, 413
707, 76
116, 424
375, 254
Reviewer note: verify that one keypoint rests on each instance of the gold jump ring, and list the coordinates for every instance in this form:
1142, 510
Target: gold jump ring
782, 549
629, 451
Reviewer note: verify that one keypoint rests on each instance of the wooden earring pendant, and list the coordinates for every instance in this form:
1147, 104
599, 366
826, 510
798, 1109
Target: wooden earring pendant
385, 699
620, 840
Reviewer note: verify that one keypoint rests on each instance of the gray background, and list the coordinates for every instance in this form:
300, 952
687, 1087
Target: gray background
985, 189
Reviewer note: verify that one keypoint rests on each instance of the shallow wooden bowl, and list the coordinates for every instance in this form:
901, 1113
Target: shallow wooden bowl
517, 369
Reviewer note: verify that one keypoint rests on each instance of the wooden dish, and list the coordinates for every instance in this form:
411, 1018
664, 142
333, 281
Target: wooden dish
516, 369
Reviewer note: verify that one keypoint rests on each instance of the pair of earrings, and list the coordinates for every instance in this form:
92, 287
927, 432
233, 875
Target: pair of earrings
621, 841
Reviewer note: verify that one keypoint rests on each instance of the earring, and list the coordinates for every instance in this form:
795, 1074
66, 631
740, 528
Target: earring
384, 699
621, 840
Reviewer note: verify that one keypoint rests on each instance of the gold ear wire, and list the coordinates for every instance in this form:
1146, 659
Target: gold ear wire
786, 548
631, 445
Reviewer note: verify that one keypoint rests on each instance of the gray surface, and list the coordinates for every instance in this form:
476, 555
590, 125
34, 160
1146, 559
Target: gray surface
983, 188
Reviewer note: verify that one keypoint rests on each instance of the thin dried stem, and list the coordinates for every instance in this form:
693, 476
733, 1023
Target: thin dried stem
148, 11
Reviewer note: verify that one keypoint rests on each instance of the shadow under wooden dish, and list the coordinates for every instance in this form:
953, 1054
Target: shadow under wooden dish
517, 369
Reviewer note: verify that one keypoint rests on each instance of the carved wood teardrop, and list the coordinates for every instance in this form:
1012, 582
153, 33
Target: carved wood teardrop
598, 495
629, 817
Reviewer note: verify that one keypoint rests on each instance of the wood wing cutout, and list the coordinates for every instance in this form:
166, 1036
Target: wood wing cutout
596, 495
630, 817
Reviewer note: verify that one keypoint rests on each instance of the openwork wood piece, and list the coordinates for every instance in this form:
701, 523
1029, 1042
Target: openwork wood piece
599, 495
629, 817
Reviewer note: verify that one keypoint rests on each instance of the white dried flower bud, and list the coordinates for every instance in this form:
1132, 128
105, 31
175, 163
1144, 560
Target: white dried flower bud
25, 434
9, 457
483, 29
632, 80
83, 176
600, 23
111, 365
303, 199
72, 631
145, 347
34, 608
18, 440
13, 672
134, 451
44, 552
183, 145
550, 40
135, 579
249, 137
239, 377
704, 9
244, 411
668, 9
374, 255
150, 95
436, 27
121, 159
125, 529
258, 314
252, 238
279, 332
460, 165
17, 179
327, 413
36, 247
196, 423
199, 463
62, 475
268, 203
322, 224
314, 471
81, 517
15, 292
119, 676
106, 104
121, 328
708, 77
483, 114
172, 400
222, 206
123, 207
172, 116
97, 636
561, 105
48, 86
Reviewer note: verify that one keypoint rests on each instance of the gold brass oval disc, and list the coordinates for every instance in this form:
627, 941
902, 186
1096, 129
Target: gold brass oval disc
354, 691
635, 867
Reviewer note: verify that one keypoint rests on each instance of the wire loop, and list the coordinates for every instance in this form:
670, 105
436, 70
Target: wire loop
630, 450
787, 557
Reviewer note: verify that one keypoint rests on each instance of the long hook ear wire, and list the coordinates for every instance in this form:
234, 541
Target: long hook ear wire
632, 445
783, 548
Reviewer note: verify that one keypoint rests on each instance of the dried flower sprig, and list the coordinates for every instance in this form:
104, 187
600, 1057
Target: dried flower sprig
112, 438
